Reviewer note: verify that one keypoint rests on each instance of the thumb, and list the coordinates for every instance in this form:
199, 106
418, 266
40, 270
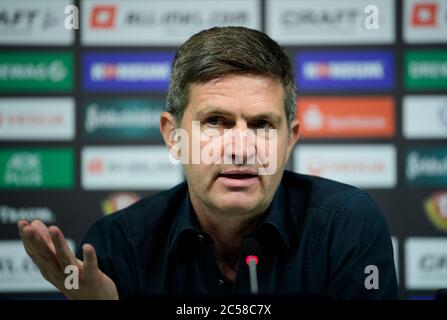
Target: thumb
90, 261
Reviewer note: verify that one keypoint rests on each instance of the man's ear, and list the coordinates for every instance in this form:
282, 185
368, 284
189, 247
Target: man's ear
167, 128
294, 134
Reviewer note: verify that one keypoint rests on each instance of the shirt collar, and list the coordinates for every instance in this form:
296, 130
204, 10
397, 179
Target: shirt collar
184, 223
274, 231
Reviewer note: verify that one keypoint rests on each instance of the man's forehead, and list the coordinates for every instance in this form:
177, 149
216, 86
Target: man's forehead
259, 94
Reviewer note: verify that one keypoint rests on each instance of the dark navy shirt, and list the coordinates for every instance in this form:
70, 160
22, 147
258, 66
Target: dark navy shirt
317, 237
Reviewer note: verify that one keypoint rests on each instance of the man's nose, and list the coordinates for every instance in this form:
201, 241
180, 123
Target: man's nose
240, 146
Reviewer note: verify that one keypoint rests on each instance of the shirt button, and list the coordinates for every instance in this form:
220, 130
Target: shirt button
221, 283
201, 237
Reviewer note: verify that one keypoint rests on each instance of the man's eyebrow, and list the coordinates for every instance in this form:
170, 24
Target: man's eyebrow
267, 115
213, 110
220, 111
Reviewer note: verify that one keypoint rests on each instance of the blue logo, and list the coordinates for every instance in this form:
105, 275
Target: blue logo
126, 71
355, 71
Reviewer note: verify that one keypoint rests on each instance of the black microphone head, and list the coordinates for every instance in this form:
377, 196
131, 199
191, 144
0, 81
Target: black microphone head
251, 247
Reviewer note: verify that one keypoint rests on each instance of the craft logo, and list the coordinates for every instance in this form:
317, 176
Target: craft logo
425, 263
426, 166
347, 117
436, 209
36, 71
306, 22
118, 201
127, 72
29, 22
36, 168
123, 118
345, 70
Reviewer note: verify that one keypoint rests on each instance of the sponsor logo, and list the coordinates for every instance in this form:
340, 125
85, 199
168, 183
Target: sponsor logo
36, 168
425, 21
426, 263
118, 201
135, 168
426, 166
34, 22
103, 17
37, 119
13, 215
36, 71
127, 72
18, 273
425, 117
325, 22
425, 69
342, 117
345, 70
424, 14
436, 209
368, 166
167, 23
123, 118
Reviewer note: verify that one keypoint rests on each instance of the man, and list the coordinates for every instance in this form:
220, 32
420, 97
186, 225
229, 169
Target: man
314, 235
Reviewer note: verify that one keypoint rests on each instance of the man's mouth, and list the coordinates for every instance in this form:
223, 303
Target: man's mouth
238, 178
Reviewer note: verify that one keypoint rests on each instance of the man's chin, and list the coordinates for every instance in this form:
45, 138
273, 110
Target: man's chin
237, 203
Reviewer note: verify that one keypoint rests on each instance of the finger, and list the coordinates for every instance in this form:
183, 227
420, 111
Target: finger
20, 225
42, 229
63, 253
90, 261
26, 234
41, 253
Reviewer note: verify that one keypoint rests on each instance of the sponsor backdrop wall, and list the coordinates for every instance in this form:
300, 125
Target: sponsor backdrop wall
79, 113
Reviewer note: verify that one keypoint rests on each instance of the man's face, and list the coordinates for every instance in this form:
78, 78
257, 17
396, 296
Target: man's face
238, 102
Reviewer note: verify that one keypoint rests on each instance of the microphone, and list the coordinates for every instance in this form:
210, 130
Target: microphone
251, 251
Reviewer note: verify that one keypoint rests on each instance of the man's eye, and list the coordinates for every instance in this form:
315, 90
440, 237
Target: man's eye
215, 121
261, 124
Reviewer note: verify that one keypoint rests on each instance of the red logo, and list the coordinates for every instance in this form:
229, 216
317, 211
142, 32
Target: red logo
103, 17
95, 166
424, 15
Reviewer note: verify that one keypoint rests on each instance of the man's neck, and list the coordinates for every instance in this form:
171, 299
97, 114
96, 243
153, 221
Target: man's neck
228, 231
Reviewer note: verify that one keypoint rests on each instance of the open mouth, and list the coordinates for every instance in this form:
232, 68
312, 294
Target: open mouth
237, 175
237, 180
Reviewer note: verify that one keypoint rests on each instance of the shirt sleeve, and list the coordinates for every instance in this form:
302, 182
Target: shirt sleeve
361, 252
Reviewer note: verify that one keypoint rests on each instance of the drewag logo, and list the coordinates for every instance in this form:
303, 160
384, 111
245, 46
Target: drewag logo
126, 72
366, 70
